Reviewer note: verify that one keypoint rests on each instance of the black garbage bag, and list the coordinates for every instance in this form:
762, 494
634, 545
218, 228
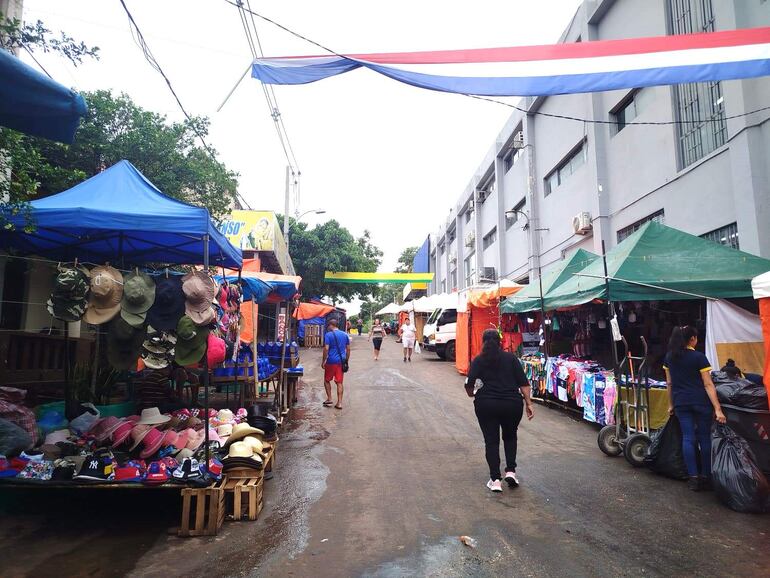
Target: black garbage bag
13, 439
737, 480
739, 392
665, 455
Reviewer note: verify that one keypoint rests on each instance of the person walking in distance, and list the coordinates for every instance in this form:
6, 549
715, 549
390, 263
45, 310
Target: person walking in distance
499, 404
376, 335
693, 398
360, 326
408, 333
335, 361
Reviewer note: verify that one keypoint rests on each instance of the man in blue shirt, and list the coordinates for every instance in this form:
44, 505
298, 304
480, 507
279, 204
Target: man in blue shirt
336, 351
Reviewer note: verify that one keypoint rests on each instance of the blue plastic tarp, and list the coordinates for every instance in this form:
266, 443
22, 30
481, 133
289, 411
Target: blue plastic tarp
253, 289
304, 322
32, 103
286, 290
119, 216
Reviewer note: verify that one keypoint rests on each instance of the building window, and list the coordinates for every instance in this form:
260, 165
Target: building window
625, 232
468, 215
441, 249
443, 286
629, 108
452, 236
727, 235
469, 269
514, 218
453, 279
490, 238
700, 106
512, 154
574, 160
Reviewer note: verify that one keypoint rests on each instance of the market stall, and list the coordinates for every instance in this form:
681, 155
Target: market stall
311, 322
153, 318
761, 289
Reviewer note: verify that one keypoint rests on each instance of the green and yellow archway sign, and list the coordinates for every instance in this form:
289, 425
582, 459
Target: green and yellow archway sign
401, 278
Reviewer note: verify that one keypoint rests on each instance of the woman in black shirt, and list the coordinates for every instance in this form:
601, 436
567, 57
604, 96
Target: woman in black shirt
499, 404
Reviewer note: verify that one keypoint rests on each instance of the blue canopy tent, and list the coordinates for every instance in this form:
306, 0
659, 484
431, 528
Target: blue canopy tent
121, 217
32, 103
253, 289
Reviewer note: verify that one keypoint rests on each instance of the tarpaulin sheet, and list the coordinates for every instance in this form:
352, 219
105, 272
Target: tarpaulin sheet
734, 333
664, 259
462, 345
36, 105
119, 216
764, 315
312, 310
491, 297
302, 323
528, 299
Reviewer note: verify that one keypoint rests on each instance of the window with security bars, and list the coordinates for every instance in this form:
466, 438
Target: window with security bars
727, 235
700, 106
625, 232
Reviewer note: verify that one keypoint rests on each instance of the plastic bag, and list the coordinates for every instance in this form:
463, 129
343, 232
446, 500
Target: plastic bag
737, 480
665, 455
740, 392
13, 439
86, 420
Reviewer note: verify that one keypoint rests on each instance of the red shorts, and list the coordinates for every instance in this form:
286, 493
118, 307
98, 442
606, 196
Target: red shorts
333, 372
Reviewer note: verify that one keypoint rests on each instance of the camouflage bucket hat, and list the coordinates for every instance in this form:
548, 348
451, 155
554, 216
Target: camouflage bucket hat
68, 299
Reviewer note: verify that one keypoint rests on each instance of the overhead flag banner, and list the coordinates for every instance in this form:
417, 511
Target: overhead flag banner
378, 277
548, 69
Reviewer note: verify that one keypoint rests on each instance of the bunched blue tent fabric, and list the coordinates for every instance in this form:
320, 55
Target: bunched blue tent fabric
253, 289
119, 216
36, 105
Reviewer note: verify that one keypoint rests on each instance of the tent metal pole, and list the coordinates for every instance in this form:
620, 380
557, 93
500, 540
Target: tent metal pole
610, 313
546, 348
206, 361
67, 401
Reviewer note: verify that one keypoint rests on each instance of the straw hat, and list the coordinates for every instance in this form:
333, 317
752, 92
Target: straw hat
122, 433
152, 442
199, 291
106, 293
256, 445
240, 431
137, 434
152, 416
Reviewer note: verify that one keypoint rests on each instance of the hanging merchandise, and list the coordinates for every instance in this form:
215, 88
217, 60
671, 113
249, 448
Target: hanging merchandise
158, 348
191, 342
169, 304
138, 297
68, 300
199, 290
616, 336
215, 350
124, 344
106, 295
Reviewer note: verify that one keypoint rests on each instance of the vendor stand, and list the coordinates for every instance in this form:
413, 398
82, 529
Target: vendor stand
119, 217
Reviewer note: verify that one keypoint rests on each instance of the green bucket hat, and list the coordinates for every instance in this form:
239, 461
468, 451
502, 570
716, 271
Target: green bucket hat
69, 297
124, 344
190, 342
138, 297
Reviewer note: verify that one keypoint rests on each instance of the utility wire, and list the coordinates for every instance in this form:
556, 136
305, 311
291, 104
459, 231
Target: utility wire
136, 33
493, 100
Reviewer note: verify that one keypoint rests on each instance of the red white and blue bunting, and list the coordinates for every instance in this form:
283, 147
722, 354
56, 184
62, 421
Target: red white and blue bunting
548, 70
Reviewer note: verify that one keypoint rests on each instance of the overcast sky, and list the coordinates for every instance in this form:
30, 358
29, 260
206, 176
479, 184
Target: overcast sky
374, 153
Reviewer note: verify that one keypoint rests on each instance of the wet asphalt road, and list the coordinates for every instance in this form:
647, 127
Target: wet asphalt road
387, 485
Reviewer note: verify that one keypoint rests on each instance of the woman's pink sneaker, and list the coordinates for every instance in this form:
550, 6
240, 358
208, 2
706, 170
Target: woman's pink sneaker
495, 485
511, 479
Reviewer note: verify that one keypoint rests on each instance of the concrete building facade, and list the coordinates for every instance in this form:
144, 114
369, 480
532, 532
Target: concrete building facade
710, 178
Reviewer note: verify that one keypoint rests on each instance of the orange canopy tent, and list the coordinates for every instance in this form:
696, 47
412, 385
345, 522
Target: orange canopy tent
482, 313
312, 310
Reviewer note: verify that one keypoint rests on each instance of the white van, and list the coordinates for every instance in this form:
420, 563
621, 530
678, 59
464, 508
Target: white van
440, 332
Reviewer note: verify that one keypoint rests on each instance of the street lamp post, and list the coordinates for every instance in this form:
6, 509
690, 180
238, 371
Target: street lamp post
298, 218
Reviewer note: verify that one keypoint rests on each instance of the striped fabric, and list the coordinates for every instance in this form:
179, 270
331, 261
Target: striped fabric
549, 69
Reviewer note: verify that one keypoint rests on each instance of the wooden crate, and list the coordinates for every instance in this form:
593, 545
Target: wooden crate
314, 336
246, 495
203, 511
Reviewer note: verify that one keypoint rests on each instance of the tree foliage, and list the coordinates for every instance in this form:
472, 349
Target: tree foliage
331, 247
114, 128
406, 260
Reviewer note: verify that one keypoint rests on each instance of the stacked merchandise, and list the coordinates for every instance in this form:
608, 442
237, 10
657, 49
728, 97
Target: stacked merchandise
585, 383
150, 449
534, 369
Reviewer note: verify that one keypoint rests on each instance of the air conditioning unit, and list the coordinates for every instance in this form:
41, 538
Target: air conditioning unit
481, 196
470, 239
581, 223
489, 274
518, 140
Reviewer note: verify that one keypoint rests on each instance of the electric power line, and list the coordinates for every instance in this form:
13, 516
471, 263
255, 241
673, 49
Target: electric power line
136, 33
493, 100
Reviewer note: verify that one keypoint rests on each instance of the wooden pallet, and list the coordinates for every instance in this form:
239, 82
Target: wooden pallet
246, 494
314, 336
203, 511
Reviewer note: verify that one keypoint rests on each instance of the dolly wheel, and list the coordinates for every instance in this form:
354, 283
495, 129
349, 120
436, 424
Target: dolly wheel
608, 441
635, 450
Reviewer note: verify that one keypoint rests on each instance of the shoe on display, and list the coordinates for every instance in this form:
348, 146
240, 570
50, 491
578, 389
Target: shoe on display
495, 485
511, 479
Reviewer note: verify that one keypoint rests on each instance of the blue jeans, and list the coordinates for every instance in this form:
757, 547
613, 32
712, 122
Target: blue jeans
696, 432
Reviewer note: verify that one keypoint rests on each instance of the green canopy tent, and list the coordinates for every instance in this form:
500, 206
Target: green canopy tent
661, 263
528, 299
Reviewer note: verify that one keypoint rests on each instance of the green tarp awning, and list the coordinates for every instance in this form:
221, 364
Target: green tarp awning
528, 299
667, 259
